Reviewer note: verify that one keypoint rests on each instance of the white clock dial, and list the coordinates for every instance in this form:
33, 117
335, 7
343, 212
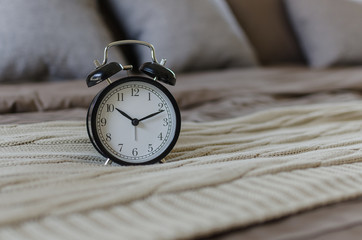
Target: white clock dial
136, 122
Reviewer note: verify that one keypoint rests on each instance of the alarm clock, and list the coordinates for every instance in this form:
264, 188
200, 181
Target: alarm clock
134, 120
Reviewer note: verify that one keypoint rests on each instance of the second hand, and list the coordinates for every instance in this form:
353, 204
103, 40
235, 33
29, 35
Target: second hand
135, 133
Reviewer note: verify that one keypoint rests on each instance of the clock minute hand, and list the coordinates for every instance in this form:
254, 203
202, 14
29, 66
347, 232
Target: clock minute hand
151, 115
124, 114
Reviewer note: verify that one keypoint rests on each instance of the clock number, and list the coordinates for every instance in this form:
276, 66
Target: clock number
149, 96
150, 148
120, 97
160, 105
110, 107
165, 122
120, 147
160, 136
103, 122
135, 92
108, 137
134, 152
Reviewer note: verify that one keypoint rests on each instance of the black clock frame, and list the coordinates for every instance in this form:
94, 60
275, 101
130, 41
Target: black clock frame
92, 114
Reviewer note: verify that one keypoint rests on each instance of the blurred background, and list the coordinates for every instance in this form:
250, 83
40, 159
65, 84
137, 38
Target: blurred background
59, 39
241, 55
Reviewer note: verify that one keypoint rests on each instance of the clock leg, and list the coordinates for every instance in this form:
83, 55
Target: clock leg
108, 162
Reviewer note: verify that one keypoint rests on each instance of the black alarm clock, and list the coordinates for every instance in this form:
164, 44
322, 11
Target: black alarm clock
134, 120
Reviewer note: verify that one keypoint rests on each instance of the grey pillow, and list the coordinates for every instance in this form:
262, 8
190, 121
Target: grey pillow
49, 39
190, 34
329, 31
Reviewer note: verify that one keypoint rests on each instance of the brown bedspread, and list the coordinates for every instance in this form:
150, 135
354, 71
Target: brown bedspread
213, 96
201, 96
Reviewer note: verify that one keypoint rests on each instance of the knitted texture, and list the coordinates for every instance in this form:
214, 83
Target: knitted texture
221, 175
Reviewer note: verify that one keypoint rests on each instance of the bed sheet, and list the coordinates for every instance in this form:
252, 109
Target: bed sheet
205, 96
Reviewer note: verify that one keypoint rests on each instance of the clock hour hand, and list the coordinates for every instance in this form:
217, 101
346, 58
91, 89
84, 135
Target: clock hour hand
151, 115
124, 114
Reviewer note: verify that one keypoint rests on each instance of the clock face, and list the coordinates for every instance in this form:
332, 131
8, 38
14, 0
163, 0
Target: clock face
134, 120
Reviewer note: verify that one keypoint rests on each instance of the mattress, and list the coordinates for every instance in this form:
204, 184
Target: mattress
262, 152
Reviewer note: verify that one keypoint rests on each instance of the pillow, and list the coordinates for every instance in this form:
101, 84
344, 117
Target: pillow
329, 30
266, 24
50, 39
190, 34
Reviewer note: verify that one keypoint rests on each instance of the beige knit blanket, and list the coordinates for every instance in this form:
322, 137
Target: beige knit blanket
220, 175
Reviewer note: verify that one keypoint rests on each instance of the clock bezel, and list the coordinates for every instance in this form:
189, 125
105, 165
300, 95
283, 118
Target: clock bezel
92, 115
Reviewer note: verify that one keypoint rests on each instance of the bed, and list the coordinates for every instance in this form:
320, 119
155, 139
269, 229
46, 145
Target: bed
265, 152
